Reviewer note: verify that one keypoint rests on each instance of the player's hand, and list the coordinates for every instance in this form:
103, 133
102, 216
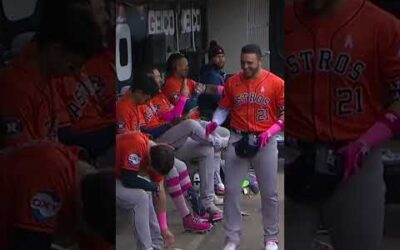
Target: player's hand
353, 154
168, 237
264, 138
200, 88
210, 128
185, 91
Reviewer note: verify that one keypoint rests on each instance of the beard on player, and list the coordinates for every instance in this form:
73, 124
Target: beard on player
251, 71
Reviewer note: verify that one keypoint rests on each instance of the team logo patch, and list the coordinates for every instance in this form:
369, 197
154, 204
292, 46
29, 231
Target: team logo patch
12, 126
134, 159
45, 205
120, 125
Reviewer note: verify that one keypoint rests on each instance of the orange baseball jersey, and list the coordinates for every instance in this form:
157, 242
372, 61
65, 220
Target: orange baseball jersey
89, 99
254, 104
132, 153
29, 104
340, 70
128, 115
172, 90
38, 193
158, 104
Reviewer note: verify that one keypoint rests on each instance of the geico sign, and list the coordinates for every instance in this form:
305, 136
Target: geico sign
190, 20
163, 21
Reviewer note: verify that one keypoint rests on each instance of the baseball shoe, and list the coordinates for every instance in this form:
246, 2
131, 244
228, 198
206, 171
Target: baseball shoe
215, 213
230, 246
271, 245
195, 224
253, 184
194, 199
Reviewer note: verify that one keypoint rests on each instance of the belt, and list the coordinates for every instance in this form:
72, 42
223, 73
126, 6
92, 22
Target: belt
244, 132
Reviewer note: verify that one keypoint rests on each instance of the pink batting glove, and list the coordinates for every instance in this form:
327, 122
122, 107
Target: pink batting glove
273, 130
264, 138
220, 90
353, 154
210, 128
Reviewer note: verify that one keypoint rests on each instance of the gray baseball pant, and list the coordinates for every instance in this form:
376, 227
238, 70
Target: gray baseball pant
265, 164
139, 203
354, 214
188, 137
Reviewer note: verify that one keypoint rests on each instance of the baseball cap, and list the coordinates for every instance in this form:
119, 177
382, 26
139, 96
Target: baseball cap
214, 49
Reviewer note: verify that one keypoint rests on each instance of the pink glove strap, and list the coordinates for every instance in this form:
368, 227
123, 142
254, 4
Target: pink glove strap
162, 221
276, 128
176, 111
220, 90
379, 133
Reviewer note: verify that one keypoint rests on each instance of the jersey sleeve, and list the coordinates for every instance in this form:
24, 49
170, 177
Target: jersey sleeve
169, 92
128, 119
389, 54
17, 118
47, 201
227, 100
122, 118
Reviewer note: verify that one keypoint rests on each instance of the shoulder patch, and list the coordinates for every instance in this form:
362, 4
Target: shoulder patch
45, 205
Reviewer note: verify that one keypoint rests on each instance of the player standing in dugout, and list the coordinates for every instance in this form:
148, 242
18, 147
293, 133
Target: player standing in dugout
343, 77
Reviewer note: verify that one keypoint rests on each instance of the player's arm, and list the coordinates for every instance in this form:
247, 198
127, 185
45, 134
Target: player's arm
222, 112
387, 124
24, 239
176, 112
131, 179
210, 89
160, 206
278, 126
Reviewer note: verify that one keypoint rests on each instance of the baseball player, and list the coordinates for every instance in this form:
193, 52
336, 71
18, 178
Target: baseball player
128, 114
28, 102
88, 103
177, 74
136, 154
49, 193
254, 98
212, 73
343, 66
186, 135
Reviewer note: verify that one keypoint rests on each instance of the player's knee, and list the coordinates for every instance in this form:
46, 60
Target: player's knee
232, 189
190, 123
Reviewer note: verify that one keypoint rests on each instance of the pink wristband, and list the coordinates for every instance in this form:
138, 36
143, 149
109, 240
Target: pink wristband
220, 90
162, 221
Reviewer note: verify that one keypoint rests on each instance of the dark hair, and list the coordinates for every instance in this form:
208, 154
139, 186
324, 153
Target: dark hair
98, 198
162, 158
171, 62
252, 49
146, 83
71, 24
